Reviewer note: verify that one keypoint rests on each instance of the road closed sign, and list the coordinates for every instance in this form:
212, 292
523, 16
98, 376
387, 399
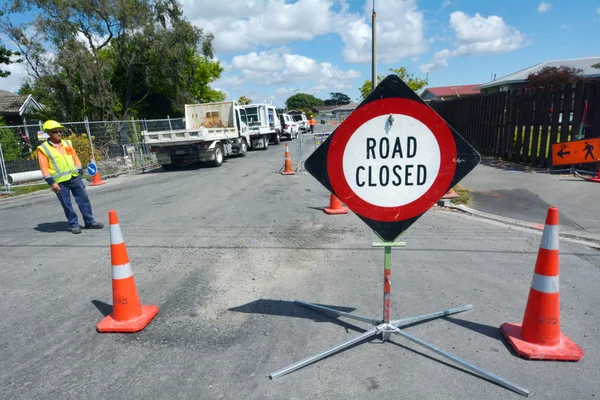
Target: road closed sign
392, 159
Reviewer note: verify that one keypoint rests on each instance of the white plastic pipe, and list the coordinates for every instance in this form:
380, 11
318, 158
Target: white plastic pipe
20, 177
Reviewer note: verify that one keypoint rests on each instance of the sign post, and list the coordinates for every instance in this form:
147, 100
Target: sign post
389, 162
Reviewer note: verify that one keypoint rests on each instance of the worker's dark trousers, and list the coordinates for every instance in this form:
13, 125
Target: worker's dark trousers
75, 186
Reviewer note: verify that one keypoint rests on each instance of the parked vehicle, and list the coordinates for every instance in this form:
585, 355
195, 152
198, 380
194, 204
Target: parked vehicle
263, 124
289, 126
302, 121
212, 131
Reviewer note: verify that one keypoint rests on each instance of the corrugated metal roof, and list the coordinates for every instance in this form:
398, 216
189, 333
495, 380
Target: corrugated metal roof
457, 90
586, 64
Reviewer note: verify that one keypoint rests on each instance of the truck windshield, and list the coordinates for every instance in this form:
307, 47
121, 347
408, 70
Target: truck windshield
252, 116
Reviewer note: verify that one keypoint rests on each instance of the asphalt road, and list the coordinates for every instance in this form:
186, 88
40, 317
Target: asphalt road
224, 252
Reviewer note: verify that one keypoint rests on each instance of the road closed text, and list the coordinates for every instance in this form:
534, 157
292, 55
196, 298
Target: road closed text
401, 150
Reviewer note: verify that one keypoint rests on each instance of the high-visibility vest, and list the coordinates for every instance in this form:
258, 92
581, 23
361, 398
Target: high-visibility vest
61, 167
312, 122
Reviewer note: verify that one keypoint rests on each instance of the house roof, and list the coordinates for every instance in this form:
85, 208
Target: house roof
456, 90
323, 108
590, 67
347, 107
11, 103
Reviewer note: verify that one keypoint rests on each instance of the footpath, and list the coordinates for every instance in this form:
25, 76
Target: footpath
516, 195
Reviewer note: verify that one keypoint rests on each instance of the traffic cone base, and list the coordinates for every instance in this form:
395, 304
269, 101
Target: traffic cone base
335, 206
451, 194
288, 163
96, 181
109, 324
565, 350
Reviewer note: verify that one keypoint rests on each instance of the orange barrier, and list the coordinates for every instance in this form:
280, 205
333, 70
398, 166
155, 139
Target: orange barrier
128, 314
539, 336
288, 162
96, 181
335, 206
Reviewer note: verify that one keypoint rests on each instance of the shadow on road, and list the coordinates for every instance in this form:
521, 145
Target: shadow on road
104, 308
290, 309
51, 227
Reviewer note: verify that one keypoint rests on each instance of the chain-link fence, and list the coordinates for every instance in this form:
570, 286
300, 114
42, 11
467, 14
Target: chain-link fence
306, 144
116, 146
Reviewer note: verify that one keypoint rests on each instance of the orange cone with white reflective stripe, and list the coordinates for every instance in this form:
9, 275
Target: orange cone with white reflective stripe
335, 206
540, 337
128, 314
288, 162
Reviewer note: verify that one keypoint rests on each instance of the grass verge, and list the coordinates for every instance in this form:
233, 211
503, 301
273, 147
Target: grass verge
17, 190
464, 195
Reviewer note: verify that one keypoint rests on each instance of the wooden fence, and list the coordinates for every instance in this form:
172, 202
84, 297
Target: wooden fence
522, 125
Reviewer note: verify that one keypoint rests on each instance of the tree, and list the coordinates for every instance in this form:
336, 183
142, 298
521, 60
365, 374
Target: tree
553, 76
337, 99
113, 59
414, 82
302, 100
244, 100
11, 148
6, 59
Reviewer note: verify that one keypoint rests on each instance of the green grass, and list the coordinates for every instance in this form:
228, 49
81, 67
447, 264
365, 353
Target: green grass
17, 190
464, 195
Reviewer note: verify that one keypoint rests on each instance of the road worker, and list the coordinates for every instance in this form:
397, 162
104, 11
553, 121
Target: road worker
312, 124
62, 171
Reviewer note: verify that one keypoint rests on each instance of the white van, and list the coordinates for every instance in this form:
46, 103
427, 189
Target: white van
302, 122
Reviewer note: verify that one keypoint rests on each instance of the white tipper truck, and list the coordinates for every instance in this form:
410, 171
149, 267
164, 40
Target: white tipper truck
263, 123
212, 131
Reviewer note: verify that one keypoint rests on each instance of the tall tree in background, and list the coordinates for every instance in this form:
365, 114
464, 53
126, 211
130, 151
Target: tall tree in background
302, 100
337, 99
553, 76
414, 82
6, 59
244, 100
109, 59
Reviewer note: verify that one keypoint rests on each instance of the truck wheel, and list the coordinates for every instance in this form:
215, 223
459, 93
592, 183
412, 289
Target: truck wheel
277, 138
265, 142
168, 167
218, 152
243, 148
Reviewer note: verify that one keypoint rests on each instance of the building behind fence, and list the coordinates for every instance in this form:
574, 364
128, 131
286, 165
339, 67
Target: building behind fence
522, 125
117, 145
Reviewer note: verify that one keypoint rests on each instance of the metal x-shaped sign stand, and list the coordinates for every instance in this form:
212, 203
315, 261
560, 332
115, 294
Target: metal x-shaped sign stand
386, 327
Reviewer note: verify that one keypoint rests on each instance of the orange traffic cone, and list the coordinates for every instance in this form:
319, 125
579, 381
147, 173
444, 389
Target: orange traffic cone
96, 181
288, 163
335, 206
450, 194
539, 337
128, 314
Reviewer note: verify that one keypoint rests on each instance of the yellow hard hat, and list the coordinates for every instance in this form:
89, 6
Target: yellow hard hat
50, 125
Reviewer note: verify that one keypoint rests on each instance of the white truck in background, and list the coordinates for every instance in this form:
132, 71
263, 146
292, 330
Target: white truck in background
212, 132
263, 124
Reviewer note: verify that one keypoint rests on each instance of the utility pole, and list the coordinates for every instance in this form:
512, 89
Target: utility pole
374, 49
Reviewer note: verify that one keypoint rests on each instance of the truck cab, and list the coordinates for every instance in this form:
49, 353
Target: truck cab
263, 124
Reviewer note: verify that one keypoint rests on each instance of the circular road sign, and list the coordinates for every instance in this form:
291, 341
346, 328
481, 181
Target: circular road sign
92, 169
392, 159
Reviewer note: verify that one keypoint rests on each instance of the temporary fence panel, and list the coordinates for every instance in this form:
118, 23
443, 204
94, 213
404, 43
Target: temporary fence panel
306, 144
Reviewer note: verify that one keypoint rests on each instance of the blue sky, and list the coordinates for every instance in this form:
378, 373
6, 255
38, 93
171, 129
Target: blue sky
274, 48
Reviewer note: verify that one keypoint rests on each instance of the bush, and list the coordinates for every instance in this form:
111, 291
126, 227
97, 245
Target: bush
11, 148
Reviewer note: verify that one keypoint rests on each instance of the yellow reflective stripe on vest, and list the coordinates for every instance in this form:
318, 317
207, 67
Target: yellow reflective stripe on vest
58, 173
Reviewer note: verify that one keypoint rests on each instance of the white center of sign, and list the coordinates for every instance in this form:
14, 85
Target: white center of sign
392, 160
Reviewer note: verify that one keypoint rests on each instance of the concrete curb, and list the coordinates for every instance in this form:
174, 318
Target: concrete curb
585, 238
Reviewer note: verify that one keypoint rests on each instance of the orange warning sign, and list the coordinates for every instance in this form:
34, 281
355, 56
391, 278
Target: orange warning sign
576, 152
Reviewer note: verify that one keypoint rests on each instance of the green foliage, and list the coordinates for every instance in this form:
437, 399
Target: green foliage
303, 100
244, 100
337, 99
6, 59
109, 60
414, 82
11, 148
553, 76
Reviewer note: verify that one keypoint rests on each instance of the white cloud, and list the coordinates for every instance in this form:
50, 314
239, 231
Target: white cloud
240, 25
14, 81
477, 36
400, 32
446, 3
544, 7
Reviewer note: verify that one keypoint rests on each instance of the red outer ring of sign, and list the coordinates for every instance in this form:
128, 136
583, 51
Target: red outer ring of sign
411, 108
